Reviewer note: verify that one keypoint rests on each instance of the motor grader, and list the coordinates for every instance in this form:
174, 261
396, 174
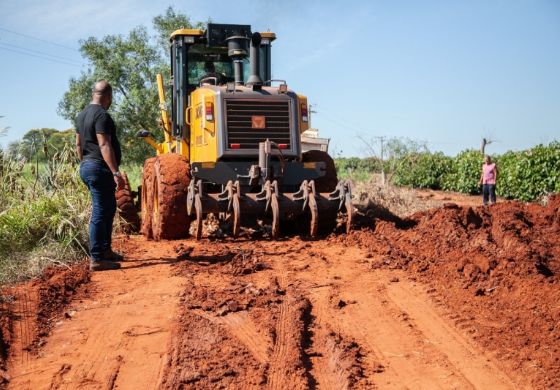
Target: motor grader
232, 143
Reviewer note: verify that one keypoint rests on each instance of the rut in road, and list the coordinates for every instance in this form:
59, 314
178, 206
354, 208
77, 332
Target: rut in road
295, 314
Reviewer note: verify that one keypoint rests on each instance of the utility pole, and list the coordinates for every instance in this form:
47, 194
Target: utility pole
381, 141
311, 111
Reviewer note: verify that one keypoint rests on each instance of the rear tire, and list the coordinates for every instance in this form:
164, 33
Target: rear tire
147, 198
126, 208
171, 181
328, 182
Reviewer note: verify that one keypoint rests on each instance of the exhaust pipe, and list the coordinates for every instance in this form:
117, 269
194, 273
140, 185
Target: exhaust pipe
237, 51
254, 58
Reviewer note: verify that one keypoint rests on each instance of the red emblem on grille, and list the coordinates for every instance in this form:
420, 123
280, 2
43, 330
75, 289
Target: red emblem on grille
258, 122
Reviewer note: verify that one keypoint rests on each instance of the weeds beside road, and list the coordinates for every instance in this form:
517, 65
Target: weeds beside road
44, 213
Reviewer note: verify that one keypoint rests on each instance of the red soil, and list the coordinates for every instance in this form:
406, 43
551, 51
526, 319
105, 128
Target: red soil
29, 310
456, 297
497, 269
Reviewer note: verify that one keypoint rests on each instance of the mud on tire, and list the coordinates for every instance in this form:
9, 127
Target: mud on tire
170, 184
126, 208
147, 197
328, 182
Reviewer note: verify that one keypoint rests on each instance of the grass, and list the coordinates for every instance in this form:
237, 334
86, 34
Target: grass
134, 173
44, 215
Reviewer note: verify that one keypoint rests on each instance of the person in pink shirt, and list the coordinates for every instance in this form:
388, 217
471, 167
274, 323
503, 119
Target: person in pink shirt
488, 180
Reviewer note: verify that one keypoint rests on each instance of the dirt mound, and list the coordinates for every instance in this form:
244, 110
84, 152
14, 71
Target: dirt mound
28, 310
232, 258
497, 267
55, 289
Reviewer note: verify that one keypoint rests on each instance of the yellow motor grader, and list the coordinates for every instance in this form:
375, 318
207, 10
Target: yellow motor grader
232, 143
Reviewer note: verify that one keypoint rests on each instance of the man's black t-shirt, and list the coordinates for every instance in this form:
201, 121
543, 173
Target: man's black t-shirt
95, 120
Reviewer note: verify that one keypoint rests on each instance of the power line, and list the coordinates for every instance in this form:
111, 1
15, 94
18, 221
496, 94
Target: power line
38, 56
39, 52
39, 39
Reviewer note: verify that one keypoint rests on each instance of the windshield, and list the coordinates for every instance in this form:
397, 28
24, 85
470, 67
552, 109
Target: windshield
212, 63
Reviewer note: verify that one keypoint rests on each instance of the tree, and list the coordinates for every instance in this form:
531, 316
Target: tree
391, 152
130, 63
42, 143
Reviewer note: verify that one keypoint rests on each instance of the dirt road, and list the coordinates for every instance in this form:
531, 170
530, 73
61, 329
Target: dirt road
115, 336
315, 318
369, 310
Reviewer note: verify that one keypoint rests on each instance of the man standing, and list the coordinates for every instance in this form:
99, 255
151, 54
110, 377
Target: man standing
100, 155
488, 180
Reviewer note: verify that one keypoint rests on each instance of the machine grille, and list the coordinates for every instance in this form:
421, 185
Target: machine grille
241, 116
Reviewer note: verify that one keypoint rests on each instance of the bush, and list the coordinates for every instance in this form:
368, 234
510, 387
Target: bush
529, 174
422, 170
44, 213
464, 174
357, 169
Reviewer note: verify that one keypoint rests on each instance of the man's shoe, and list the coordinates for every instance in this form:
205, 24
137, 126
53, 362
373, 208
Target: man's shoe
103, 265
113, 256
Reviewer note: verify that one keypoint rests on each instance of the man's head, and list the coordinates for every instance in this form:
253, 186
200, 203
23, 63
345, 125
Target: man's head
488, 159
102, 94
209, 67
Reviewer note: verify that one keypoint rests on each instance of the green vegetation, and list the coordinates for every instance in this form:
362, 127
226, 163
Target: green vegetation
44, 215
357, 169
528, 174
130, 63
524, 175
422, 170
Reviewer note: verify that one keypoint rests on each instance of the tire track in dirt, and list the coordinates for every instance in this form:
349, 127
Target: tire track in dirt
355, 302
244, 329
473, 365
288, 361
337, 363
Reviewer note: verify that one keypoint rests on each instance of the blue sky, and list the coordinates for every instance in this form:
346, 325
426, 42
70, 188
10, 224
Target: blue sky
446, 72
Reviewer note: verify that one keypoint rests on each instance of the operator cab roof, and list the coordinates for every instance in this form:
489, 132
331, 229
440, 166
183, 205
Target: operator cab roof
215, 34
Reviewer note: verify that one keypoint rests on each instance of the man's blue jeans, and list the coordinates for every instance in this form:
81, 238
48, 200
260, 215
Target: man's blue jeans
488, 191
101, 184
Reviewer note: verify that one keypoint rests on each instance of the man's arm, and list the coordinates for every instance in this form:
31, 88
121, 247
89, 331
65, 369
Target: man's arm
104, 141
79, 147
481, 177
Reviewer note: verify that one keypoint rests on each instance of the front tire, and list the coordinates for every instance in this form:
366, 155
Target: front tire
171, 181
126, 208
147, 198
328, 182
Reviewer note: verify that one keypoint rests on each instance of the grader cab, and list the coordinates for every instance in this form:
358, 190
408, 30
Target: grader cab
232, 143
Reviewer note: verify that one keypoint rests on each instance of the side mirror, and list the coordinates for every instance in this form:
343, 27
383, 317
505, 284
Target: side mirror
143, 134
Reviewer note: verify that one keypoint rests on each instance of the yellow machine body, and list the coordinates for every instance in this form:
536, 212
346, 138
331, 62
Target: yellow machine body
236, 136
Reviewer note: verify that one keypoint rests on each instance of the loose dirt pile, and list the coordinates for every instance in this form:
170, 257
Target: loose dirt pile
28, 311
497, 269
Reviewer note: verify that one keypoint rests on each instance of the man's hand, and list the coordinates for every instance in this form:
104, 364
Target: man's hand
119, 181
